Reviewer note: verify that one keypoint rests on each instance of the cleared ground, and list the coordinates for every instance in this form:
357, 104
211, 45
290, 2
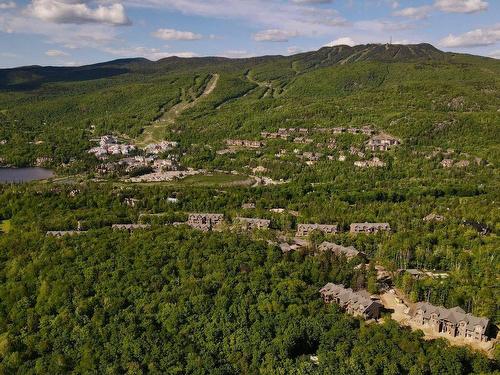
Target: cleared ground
399, 304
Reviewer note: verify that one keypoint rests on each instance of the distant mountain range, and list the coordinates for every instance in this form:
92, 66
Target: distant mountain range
27, 77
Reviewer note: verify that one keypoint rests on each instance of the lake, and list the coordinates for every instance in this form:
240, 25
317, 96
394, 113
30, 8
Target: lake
24, 174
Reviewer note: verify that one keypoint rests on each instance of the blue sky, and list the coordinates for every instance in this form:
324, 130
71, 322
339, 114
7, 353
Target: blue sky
76, 32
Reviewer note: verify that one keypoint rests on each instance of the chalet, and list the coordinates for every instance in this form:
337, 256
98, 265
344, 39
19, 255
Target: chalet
306, 229
369, 227
358, 303
454, 322
349, 252
382, 142
205, 222
251, 223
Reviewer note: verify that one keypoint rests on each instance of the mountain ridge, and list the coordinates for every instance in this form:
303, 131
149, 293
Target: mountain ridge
28, 77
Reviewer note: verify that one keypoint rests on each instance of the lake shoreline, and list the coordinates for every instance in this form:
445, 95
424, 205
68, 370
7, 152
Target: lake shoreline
23, 175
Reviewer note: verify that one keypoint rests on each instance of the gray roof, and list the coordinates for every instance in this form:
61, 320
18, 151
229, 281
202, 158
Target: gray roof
349, 252
454, 315
357, 299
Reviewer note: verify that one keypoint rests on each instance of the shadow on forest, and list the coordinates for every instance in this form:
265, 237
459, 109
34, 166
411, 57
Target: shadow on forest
31, 78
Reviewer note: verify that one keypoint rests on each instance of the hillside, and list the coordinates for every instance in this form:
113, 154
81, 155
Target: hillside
408, 90
110, 267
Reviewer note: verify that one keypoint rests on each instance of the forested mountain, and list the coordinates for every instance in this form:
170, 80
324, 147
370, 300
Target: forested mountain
169, 299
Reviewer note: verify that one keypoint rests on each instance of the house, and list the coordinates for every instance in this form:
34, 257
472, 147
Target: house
382, 142
205, 222
306, 229
349, 252
292, 244
454, 322
358, 303
369, 227
251, 223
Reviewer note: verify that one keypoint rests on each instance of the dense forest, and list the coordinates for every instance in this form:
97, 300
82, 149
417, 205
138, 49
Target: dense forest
171, 299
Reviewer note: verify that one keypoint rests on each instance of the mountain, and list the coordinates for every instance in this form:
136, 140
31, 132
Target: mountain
30, 77
416, 92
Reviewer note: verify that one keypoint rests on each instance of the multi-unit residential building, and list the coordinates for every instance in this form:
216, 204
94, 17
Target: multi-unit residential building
454, 322
249, 223
369, 227
382, 142
305, 229
244, 143
349, 252
205, 222
358, 303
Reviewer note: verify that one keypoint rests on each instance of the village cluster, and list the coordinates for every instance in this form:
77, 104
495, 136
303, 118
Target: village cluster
453, 322
156, 160
301, 136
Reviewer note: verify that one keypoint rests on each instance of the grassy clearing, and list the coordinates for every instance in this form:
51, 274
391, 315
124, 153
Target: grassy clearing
5, 226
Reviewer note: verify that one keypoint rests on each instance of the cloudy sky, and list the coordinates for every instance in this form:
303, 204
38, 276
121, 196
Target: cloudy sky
75, 32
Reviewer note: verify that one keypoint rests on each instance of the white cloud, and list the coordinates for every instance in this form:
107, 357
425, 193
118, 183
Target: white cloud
304, 19
479, 37
461, 6
414, 12
172, 34
68, 36
77, 12
8, 5
495, 54
55, 53
274, 35
447, 6
341, 41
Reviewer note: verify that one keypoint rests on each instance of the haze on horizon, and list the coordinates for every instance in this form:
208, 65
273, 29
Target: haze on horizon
79, 32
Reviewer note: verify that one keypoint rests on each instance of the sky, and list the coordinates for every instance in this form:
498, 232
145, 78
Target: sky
78, 32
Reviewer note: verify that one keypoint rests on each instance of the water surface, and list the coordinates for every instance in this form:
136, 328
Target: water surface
24, 174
